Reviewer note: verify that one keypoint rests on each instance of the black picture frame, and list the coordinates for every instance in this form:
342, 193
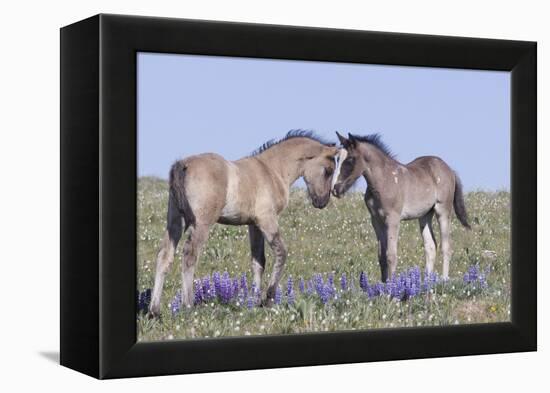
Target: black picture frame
98, 195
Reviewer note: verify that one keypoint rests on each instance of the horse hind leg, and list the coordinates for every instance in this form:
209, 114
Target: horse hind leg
443, 213
191, 250
430, 245
165, 256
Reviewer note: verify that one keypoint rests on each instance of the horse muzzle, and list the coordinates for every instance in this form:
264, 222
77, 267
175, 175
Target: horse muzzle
338, 190
320, 202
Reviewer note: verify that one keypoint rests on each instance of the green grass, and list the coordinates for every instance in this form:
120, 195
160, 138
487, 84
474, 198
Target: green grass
336, 239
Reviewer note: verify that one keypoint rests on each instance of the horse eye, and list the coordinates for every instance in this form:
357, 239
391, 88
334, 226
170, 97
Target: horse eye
348, 162
329, 172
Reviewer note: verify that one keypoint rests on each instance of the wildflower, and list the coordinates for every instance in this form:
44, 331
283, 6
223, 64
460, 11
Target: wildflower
474, 276
302, 285
198, 292
253, 297
175, 304
278, 295
244, 286
330, 283
344, 282
471, 275
223, 288
236, 286
144, 299
207, 289
318, 282
217, 283
310, 287
290, 291
363, 282
250, 302
430, 280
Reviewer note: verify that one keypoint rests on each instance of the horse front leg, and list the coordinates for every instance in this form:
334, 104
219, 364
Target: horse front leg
271, 233
190, 257
392, 234
257, 250
380, 230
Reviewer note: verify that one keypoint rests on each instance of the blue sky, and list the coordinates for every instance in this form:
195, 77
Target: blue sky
191, 104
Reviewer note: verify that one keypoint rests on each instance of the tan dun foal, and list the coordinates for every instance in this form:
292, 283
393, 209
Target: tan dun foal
206, 189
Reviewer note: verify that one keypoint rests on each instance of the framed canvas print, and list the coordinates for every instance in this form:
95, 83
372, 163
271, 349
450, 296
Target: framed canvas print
296, 196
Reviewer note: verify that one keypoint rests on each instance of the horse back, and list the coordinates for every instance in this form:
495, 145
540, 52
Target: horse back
432, 171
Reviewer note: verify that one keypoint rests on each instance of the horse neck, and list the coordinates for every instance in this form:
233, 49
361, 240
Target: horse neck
381, 168
286, 159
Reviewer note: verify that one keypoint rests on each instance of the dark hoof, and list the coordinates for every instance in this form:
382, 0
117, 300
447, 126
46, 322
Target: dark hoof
268, 302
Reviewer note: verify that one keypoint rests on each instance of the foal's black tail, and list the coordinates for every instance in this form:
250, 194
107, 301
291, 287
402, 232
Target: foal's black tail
177, 186
458, 202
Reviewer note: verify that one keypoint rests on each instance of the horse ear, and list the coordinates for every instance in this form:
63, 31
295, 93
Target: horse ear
343, 140
352, 140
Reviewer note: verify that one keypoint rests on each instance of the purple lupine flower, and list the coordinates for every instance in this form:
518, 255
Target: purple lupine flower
475, 275
319, 283
289, 285
291, 298
207, 289
310, 287
244, 286
411, 284
363, 282
278, 295
236, 286
372, 290
290, 291
145, 299
378, 289
413, 290
325, 294
216, 278
253, 297
394, 288
175, 304
323, 291
224, 293
198, 292
250, 302
472, 274
430, 280
330, 280
302, 285
415, 276
344, 282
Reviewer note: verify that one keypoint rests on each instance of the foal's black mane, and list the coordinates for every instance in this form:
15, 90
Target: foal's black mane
291, 135
375, 140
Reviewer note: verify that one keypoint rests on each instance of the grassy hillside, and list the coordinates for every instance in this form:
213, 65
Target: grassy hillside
334, 241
